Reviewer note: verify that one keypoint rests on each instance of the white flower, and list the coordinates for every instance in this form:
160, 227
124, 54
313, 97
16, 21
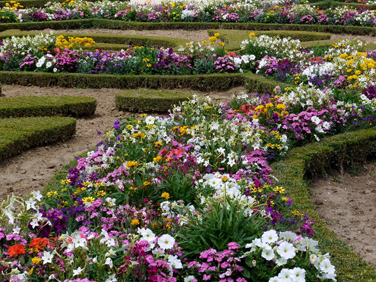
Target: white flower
298, 274
281, 261
286, 250
109, 262
30, 204
146, 234
316, 120
37, 195
267, 253
166, 241
285, 275
16, 230
49, 64
175, 262
77, 271
269, 236
312, 259
34, 223
111, 278
274, 279
189, 278
327, 267
47, 257
150, 120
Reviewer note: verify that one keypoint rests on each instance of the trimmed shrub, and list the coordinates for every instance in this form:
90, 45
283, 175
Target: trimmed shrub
47, 106
145, 100
19, 134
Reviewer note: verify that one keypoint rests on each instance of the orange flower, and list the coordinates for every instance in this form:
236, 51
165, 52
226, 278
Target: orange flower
39, 243
16, 250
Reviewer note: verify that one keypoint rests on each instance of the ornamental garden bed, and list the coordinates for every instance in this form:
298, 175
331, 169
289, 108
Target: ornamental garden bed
213, 191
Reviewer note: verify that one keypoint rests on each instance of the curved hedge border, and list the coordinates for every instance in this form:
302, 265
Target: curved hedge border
214, 82
329, 4
36, 3
340, 150
114, 24
19, 134
145, 100
47, 106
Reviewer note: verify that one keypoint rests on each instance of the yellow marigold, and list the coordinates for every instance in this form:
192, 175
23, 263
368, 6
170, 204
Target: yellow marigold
251, 34
221, 44
212, 38
204, 42
358, 72
146, 183
216, 34
165, 195
342, 56
135, 222
269, 105
142, 135
349, 70
208, 107
156, 159
281, 106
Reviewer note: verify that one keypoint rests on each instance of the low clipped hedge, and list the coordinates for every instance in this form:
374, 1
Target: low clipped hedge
36, 3
145, 100
19, 134
342, 151
115, 24
323, 5
213, 82
47, 106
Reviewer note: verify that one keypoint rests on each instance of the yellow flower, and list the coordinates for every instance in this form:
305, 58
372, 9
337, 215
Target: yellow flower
296, 212
281, 106
35, 260
221, 44
216, 34
165, 195
358, 72
349, 70
204, 42
255, 117
88, 200
342, 56
65, 181
213, 38
146, 60
101, 193
146, 183
31, 271
269, 105
208, 107
135, 222
251, 34
135, 135
172, 5
157, 144
224, 178
131, 164
156, 159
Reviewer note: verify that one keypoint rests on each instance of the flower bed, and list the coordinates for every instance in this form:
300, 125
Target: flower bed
285, 12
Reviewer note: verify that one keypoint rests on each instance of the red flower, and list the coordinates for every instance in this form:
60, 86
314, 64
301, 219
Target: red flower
39, 243
16, 250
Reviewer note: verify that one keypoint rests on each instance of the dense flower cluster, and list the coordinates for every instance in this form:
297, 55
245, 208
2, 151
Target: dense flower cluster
256, 11
181, 198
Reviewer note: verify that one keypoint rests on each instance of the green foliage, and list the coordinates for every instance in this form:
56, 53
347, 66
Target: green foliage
47, 106
217, 226
18, 134
144, 100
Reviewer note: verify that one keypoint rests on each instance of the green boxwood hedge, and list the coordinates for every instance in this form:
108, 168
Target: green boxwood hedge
19, 134
35, 3
115, 24
145, 100
47, 106
341, 151
323, 5
212, 82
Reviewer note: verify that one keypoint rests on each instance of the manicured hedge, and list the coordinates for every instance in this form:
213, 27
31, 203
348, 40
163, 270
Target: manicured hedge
47, 106
114, 24
213, 82
329, 4
19, 134
305, 162
145, 100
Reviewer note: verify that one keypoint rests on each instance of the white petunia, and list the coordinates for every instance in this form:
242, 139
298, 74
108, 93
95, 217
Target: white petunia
166, 241
267, 253
285, 275
189, 278
327, 267
150, 120
269, 236
298, 274
286, 250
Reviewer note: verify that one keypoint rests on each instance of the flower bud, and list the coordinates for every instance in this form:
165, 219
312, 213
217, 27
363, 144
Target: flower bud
254, 263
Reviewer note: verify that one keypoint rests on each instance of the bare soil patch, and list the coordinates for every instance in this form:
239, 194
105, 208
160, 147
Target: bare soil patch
32, 169
347, 203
